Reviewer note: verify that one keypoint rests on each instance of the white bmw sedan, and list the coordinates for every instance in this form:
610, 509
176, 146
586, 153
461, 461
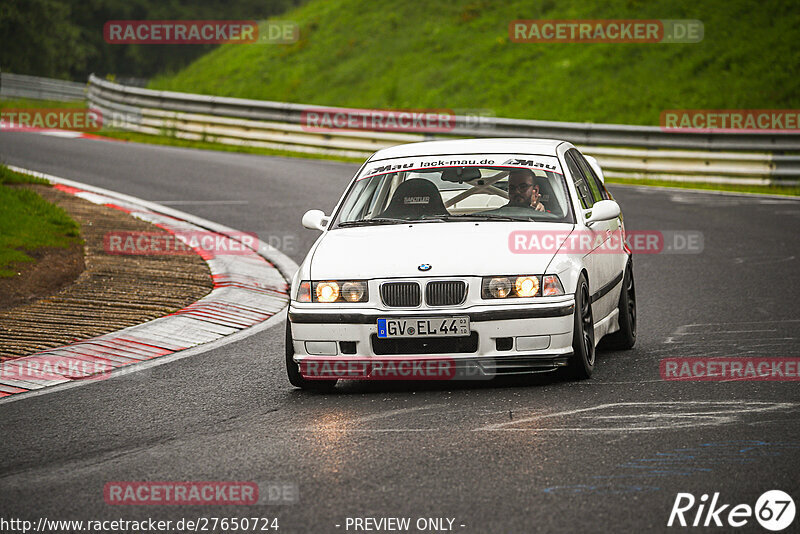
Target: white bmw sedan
463, 259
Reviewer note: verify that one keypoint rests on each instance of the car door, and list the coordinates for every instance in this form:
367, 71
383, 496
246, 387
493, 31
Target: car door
617, 228
602, 256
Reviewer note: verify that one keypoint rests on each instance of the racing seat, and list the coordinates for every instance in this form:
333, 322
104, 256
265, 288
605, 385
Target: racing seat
414, 199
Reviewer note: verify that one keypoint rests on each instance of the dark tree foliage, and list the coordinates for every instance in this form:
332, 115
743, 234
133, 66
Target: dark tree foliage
64, 38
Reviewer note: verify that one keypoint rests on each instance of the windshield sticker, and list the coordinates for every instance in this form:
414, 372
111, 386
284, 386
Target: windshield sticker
545, 163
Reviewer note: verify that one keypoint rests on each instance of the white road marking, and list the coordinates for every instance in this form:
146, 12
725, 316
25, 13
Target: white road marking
761, 260
658, 416
62, 133
745, 327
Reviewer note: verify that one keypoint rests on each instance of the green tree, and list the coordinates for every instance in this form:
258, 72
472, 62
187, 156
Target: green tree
64, 38
39, 37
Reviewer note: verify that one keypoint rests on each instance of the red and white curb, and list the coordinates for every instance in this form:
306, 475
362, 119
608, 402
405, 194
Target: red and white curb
250, 289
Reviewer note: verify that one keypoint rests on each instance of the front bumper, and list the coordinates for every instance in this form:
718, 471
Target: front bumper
503, 340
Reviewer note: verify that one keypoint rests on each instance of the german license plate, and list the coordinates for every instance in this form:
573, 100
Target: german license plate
424, 327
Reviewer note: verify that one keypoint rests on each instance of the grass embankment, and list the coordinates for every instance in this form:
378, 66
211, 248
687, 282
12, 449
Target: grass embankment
456, 54
28, 222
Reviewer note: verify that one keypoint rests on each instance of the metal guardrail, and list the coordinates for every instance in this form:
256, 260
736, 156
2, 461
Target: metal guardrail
624, 151
35, 87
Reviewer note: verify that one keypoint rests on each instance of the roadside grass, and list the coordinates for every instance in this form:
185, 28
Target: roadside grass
28, 222
7, 177
29, 103
732, 188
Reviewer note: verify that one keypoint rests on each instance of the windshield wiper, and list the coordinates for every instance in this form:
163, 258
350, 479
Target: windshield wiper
487, 217
378, 220
386, 220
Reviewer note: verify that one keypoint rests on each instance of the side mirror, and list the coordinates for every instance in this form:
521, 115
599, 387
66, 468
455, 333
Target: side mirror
315, 220
605, 210
595, 167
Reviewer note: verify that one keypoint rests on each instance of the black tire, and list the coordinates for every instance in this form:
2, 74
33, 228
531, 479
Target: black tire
581, 363
293, 370
625, 337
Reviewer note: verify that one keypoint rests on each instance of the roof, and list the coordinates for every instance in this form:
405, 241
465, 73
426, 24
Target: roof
509, 145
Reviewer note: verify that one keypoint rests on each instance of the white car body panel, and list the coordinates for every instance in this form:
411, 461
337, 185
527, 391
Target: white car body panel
453, 249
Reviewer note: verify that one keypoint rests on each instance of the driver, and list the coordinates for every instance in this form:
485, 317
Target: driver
521, 190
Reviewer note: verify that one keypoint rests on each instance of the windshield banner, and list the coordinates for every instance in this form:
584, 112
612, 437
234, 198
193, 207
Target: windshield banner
544, 163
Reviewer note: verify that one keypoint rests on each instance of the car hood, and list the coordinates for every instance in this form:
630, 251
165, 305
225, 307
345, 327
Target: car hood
451, 249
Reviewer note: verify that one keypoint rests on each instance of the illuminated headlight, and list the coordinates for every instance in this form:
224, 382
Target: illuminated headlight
526, 286
520, 286
333, 291
326, 291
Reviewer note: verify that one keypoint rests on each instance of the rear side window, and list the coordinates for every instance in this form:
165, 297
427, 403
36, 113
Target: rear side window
579, 179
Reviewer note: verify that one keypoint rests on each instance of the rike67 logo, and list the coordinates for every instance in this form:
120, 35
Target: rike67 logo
774, 510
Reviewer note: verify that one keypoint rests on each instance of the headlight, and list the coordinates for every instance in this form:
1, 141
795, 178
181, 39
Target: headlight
498, 288
527, 286
326, 291
520, 286
333, 291
354, 291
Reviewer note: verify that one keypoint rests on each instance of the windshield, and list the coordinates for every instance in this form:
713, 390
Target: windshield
458, 188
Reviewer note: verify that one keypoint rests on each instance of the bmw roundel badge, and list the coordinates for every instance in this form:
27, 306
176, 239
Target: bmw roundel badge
425, 267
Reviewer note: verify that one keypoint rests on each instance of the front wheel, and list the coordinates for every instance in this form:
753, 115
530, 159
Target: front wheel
581, 364
293, 370
625, 338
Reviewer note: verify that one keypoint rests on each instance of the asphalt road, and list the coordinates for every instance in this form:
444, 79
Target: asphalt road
536, 454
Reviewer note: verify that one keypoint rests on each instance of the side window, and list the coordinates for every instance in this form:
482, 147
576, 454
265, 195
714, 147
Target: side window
587, 200
591, 178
